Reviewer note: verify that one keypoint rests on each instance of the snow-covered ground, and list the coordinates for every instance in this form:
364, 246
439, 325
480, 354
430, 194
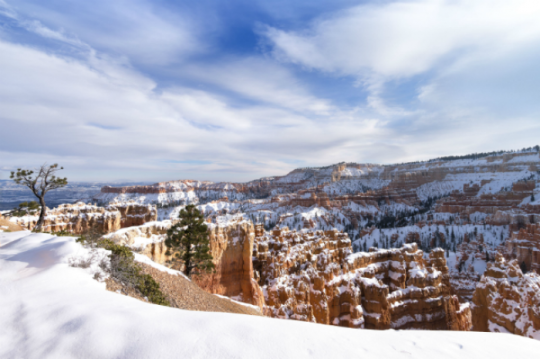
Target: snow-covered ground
52, 310
498, 181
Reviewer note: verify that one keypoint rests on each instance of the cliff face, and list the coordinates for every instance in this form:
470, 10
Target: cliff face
147, 239
402, 183
79, 218
468, 201
231, 246
524, 246
314, 277
507, 301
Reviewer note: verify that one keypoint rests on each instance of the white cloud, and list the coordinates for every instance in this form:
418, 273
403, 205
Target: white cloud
99, 113
262, 80
251, 117
136, 28
405, 38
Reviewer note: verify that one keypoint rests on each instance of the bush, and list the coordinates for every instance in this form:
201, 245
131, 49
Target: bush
125, 270
150, 288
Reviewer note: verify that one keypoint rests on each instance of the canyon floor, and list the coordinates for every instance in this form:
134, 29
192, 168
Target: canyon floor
53, 310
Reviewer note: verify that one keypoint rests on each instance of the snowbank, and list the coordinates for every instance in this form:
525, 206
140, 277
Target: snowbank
52, 310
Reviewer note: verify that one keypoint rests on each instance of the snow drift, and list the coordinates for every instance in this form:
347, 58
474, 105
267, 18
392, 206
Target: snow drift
52, 310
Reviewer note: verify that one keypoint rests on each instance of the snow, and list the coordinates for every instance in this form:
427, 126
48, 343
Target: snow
141, 258
52, 310
451, 182
529, 158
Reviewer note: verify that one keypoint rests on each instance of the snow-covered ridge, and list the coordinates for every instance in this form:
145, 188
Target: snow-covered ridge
52, 310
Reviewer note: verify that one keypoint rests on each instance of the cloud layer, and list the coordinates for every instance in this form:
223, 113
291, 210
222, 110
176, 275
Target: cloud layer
141, 90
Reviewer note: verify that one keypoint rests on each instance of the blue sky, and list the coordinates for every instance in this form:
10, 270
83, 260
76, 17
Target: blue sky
237, 90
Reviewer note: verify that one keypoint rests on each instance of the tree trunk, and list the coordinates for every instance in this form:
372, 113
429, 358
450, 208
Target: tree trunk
187, 264
39, 223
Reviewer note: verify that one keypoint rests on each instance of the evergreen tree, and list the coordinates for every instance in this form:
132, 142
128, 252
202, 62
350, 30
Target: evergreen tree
189, 242
532, 198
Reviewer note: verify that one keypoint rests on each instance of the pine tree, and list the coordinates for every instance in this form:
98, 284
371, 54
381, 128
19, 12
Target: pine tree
532, 198
189, 242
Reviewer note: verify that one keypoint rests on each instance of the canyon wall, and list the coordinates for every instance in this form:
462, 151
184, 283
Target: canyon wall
231, 247
79, 218
507, 301
313, 276
524, 246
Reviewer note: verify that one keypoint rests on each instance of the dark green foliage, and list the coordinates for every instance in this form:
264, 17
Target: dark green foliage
26, 208
150, 289
125, 270
32, 205
532, 198
189, 242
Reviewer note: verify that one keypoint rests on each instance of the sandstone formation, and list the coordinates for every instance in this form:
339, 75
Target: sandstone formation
326, 186
147, 239
524, 246
80, 217
467, 201
231, 246
313, 276
507, 301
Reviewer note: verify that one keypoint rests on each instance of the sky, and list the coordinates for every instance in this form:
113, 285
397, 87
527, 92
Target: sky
237, 90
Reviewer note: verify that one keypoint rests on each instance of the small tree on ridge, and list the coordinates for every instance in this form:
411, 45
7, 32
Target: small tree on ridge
44, 181
189, 242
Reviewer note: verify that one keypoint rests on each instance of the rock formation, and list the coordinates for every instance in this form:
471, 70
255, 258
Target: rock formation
507, 301
231, 245
313, 276
524, 246
147, 239
80, 217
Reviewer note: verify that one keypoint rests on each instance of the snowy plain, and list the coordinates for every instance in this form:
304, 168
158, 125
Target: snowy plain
52, 310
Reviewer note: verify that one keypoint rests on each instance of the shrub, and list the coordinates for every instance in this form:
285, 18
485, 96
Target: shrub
150, 288
124, 269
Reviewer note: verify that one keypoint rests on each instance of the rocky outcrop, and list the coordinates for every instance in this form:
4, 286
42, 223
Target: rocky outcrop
147, 239
507, 301
80, 217
231, 246
524, 246
468, 202
313, 276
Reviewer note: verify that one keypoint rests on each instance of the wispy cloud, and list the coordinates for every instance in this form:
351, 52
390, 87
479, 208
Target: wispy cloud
146, 92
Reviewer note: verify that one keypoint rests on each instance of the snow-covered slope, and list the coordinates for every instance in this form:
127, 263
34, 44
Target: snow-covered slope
52, 310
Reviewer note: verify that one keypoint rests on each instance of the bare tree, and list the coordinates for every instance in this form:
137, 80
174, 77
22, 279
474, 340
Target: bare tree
44, 181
